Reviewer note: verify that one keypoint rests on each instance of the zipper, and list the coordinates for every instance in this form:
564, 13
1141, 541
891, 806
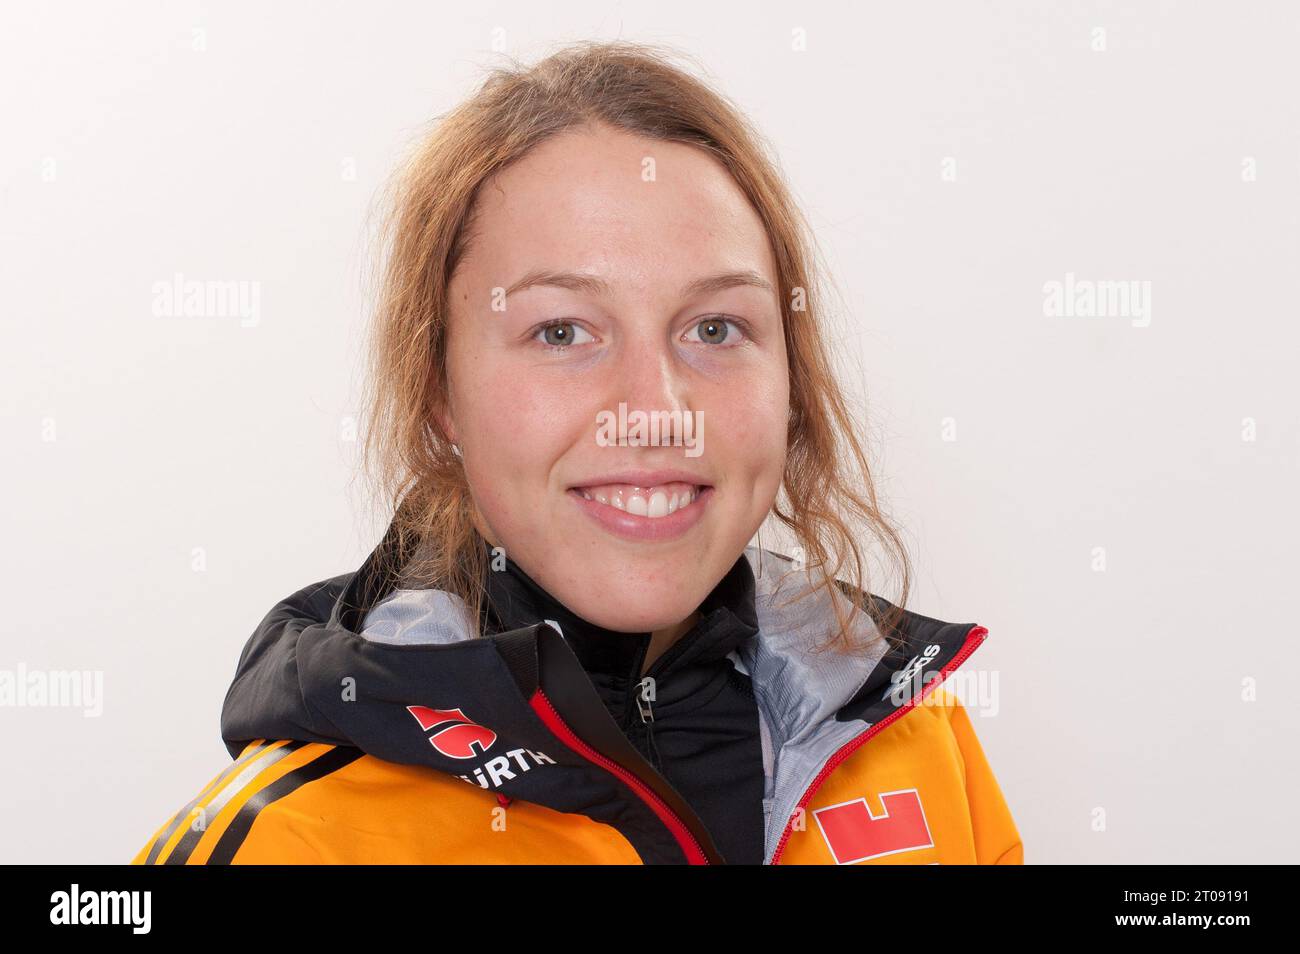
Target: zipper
646, 709
686, 841
643, 705
973, 639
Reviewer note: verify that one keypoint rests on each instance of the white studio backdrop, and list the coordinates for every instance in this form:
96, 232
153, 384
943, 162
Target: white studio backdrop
1114, 496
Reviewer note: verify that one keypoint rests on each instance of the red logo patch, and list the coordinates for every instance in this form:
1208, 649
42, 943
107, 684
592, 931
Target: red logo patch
455, 734
854, 834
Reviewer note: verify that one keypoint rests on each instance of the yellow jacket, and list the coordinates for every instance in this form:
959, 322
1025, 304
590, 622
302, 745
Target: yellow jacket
439, 745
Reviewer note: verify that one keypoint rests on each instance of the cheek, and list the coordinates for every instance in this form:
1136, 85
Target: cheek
513, 431
531, 413
498, 411
752, 431
507, 438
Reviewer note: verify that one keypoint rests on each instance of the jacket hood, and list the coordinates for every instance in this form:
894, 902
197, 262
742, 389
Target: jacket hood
362, 660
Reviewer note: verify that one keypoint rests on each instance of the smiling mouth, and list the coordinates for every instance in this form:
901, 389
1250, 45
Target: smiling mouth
660, 500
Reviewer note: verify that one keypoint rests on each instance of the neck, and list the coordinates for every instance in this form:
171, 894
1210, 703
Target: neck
662, 639
723, 621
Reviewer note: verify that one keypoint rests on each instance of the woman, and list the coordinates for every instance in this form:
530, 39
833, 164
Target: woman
598, 369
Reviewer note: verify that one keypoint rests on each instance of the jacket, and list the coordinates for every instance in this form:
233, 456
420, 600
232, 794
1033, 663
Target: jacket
692, 714
370, 723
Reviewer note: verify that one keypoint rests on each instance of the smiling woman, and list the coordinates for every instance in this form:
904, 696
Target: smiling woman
578, 627
655, 279
602, 228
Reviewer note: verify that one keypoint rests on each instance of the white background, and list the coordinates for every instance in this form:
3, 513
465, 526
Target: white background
1119, 691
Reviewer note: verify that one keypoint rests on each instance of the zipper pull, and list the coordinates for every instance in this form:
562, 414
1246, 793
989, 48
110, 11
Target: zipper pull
646, 685
644, 703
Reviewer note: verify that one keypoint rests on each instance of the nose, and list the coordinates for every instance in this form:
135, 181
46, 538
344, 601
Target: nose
649, 378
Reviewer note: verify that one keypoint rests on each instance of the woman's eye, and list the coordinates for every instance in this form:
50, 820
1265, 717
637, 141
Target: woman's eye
715, 331
561, 334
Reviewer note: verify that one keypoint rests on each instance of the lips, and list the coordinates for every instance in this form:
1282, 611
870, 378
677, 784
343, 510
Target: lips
658, 523
654, 494
653, 501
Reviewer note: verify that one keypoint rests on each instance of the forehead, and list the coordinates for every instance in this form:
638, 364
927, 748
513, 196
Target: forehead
639, 212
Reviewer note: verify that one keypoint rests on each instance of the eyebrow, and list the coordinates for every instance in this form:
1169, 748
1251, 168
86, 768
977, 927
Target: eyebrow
590, 284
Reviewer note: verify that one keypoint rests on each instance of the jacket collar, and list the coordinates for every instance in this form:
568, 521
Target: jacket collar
410, 655
728, 619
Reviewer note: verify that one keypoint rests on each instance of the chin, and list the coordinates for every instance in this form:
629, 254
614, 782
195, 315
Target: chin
639, 616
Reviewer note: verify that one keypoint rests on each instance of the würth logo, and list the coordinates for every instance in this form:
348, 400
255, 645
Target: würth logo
854, 834
454, 733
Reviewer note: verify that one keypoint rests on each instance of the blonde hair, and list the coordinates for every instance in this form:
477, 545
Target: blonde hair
827, 492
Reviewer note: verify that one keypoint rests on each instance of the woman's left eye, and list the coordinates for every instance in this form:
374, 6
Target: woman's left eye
713, 330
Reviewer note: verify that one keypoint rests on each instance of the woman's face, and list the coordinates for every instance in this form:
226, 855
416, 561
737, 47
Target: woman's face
627, 241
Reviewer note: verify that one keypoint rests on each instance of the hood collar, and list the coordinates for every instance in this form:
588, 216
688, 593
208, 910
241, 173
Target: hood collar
426, 653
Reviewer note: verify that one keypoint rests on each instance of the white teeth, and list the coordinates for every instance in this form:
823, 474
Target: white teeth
651, 502
658, 506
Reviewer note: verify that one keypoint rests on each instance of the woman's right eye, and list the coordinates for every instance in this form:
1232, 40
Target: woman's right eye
561, 334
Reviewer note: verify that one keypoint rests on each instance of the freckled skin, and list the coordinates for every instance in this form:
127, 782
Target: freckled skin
524, 415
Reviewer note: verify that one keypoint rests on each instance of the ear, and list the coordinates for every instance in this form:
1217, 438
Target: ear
448, 429
446, 426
